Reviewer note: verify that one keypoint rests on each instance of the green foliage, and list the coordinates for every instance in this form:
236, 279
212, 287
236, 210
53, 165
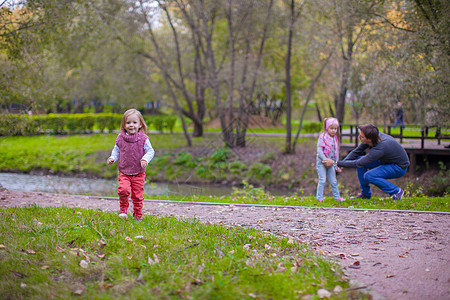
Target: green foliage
260, 171
440, 183
17, 125
312, 127
12, 124
220, 155
250, 194
237, 167
70, 252
185, 159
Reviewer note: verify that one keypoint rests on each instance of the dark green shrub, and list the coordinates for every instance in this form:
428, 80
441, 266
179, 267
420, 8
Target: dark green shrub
220, 155
440, 183
170, 122
185, 159
312, 127
259, 171
236, 167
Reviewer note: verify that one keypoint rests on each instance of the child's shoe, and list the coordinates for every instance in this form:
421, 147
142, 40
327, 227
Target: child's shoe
123, 213
320, 200
340, 199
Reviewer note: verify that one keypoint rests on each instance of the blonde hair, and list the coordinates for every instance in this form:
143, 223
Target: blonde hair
132, 112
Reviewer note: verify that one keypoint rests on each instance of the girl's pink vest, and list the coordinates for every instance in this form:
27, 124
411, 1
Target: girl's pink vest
131, 152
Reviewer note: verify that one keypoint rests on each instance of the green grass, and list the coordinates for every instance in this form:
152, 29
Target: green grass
252, 195
72, 154
88, 254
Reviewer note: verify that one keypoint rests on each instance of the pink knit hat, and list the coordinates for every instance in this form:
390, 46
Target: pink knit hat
331, 121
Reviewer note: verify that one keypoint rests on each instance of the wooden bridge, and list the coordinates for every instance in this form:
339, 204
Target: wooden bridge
419, 141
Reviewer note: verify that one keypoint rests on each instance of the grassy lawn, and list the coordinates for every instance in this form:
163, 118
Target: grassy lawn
88, 254
251, 195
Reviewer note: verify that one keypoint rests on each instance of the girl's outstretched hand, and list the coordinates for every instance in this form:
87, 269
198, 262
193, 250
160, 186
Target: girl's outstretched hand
328, 162
110, 161
339, 170
144, 163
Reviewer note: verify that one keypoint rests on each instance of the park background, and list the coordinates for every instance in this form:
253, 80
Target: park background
235, 93
276, 69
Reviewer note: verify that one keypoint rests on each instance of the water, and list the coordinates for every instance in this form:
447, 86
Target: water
99, 187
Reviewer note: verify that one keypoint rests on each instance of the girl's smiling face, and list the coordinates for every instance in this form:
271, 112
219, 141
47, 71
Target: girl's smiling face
133, 124
332, 130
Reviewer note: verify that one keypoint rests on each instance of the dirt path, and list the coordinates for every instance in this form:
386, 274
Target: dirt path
397, 255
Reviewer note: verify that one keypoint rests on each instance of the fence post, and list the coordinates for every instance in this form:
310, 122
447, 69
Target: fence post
351, 133
438, 134
422, 138
401, 134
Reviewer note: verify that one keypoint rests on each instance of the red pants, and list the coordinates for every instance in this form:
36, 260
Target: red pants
133, 184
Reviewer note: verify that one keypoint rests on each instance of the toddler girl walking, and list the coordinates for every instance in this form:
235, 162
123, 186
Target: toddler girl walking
328, 150
134, 151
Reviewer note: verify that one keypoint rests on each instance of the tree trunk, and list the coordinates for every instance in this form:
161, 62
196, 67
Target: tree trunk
288, 148
310, 94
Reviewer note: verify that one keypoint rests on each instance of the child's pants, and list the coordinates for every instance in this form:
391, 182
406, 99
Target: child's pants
133, 184
323, 173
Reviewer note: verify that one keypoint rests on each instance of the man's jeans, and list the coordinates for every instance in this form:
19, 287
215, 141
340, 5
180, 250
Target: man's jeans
376, 173
323, 173
399, 121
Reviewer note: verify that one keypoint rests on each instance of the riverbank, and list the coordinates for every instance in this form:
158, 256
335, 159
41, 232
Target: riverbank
261, 163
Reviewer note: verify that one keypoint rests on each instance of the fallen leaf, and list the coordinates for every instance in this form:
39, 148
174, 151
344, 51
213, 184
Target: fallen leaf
354, 254
355, 265
30, 251
251, 295
84, 264
2, 247
45, 267
153, 261
390, 275
101, 243
139, 237
59, 249
107, 286
323, 293
128, 239
280, 268
23, 285
201, 268
338, 289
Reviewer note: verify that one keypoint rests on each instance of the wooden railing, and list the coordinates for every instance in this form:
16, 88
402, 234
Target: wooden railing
439, 133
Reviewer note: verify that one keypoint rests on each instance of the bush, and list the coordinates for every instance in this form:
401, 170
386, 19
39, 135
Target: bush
439, 183
259, 171
220, 155
312, 127
15, 124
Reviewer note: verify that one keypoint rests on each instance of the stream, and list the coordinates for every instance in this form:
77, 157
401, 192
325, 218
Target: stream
104, 187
